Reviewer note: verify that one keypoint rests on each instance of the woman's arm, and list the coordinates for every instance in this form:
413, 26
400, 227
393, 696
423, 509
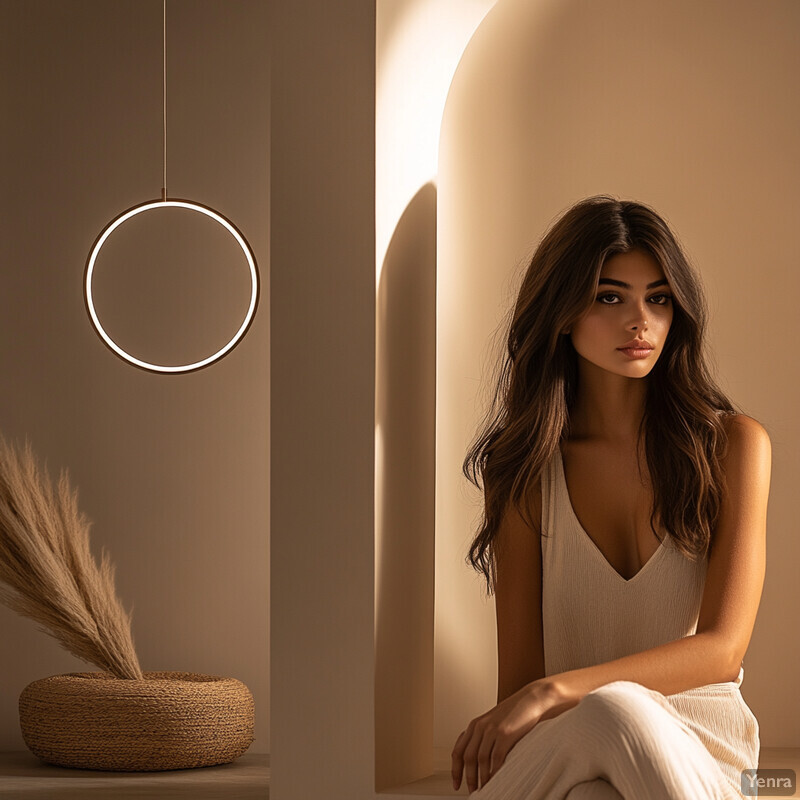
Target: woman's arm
734, 581
669, 668
518, 600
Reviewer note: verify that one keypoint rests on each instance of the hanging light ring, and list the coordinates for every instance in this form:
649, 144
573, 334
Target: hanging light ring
191, 205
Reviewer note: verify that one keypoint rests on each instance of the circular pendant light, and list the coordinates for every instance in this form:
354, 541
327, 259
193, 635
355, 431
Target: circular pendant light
151, 206
154, 205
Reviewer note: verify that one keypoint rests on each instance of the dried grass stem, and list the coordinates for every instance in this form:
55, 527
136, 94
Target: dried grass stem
48, 573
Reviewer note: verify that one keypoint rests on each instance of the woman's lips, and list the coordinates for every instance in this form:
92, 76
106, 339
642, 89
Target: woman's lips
636, 352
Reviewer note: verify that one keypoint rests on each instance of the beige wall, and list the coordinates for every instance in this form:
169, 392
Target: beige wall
690, 107
323, 399
172, 469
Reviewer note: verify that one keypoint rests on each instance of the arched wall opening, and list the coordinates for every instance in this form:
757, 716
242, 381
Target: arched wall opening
418, 46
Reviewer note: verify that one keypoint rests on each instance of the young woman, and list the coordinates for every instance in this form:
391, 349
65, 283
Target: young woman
624, 531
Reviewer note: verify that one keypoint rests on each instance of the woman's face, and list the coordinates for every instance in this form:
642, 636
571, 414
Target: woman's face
620, 314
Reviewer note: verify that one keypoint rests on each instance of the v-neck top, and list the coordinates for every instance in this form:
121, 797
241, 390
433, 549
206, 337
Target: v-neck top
591, 613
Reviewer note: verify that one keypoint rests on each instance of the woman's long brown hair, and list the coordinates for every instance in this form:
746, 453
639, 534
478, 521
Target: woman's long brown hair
683, 426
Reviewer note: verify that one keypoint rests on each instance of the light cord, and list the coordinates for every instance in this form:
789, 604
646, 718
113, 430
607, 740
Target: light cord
164, 189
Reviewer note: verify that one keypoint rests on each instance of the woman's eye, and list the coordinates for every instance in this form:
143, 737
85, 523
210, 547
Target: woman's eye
662, 299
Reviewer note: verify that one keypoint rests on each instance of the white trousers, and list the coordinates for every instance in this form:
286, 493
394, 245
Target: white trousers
622, 741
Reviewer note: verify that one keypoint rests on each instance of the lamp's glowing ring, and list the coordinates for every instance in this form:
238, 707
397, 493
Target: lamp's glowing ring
192, 206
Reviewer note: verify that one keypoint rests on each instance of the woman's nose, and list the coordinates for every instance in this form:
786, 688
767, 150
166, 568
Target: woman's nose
638, 321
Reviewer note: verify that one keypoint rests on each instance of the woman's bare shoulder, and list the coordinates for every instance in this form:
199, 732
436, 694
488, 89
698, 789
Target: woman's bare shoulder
747, 439
740, 425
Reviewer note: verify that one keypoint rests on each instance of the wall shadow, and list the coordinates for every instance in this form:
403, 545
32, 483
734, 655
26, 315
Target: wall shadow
405, 413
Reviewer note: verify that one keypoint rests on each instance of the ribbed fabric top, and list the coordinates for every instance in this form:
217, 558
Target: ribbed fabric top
590, 613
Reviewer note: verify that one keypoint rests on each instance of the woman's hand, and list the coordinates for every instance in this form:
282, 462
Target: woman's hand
488, 739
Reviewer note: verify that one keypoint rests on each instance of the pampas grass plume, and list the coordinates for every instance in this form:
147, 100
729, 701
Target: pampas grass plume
47, 571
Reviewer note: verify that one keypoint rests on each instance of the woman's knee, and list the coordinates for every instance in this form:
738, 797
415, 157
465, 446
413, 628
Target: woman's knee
616, 690
623, 704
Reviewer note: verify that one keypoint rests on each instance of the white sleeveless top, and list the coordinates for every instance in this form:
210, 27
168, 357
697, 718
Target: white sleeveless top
591, 614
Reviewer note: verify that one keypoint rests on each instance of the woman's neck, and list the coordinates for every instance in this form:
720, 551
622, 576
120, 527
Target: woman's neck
608, 407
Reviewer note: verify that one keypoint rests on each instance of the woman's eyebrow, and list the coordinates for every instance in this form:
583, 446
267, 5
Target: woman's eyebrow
624, 285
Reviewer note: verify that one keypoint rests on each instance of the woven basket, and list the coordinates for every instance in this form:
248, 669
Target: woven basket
169, 720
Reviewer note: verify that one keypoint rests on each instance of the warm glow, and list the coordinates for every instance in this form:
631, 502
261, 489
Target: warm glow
419, 48
112, 226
